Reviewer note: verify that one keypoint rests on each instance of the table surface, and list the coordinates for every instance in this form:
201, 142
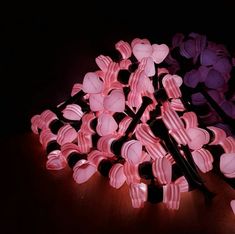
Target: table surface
41, 201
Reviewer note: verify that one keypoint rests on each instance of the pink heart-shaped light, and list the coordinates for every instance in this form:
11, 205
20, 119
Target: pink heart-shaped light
144, 84
142, 51
55, 161
117, 176
149, 68
76, 88
159, 52
68, 148
66, 134
103, 62
73, 112
82, 172
139, 41
132, 151
162, 170
198, 136
190, 119
203, 160
95, 157
37, 123
106, 125
46, 136
124, 48
47, 117
171, 196
131, 173
115, 101
138, 194
219, 135
171, 83
183, 184
227, 164
92, 83
84, 142
96, 101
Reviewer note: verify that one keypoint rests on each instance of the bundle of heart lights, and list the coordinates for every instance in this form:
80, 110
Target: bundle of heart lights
206, 68
130, 122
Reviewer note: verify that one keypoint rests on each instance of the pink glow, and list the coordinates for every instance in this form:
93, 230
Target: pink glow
105, 95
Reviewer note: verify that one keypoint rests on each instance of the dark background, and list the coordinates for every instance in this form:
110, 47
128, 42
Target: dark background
44, 50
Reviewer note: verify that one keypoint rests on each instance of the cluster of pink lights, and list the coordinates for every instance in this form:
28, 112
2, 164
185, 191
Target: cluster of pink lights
129, 121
